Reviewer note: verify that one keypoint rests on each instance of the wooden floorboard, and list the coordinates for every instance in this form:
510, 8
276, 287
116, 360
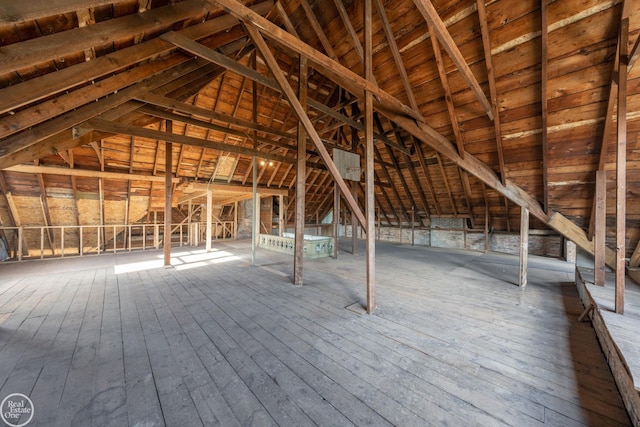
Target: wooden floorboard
617, 332
117, 340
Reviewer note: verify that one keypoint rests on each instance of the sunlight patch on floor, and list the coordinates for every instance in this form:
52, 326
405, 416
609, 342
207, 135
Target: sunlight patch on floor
180, 260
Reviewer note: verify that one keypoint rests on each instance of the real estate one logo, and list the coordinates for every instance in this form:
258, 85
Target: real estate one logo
17, 410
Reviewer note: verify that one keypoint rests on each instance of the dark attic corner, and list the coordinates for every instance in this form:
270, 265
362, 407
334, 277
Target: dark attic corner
306, 212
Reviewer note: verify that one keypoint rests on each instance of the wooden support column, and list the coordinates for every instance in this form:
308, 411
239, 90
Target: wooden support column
354, 222
46, 216
524, 246
336, 219
189, 231
487, 219
600, 227
255, 220
168, 186
13, 212
209, 214
354, 191
255, 208
621, 167
369, 165
301, 175
413, 225
281, 221
544, 36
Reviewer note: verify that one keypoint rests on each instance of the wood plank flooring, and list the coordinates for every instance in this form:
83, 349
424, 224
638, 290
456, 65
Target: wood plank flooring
618, 333
119, 340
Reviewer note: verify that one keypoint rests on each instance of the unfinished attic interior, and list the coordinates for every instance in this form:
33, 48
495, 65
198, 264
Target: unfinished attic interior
454, 185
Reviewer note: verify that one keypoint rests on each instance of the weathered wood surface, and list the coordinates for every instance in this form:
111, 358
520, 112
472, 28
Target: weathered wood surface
617, 333
217, 342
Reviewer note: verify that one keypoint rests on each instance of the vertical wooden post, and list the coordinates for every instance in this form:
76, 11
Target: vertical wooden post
258, 208
280, 215
621, 168
103, 229
62, 242
354, 221
300, 178
544, 49
41, 242
156, 232
208, 223
413, 227
255, 222
369, 171
486, 226
524, 246
255, 208
20, 237
235, 220
189, 231
168, 186
336, 219
600, 227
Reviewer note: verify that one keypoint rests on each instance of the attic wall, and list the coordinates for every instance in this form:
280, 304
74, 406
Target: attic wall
545, 244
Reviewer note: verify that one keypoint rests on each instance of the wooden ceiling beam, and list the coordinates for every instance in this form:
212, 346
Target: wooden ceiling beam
72, 118
224, 61
16, 96
317, 28
510, 190
398, 170
208, 133
344, 15
488, 56
304, 119
125, 176
394, 190
66, 139
340, 74
393, 46
434, 21
466, 185
285, 19
75, 172
207, 125
416, 181
634, 54
425, 171
22, 11
451, 109
36, 51
454, 209
172, 104
125, 129
46, 110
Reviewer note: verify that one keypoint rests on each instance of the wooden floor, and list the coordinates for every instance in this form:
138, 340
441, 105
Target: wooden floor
617, 333
119, 340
